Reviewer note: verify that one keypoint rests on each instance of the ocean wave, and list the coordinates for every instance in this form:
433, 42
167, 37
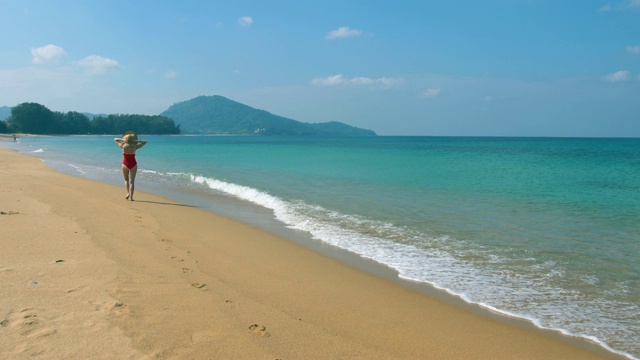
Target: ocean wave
77, 168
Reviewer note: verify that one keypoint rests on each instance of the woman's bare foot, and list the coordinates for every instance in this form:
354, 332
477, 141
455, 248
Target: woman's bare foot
127, 197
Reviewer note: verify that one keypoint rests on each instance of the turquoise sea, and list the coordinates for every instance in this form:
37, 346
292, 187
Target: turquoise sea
546, 229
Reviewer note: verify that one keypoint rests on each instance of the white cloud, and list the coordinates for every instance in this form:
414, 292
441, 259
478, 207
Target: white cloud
430, 93
47, 54
363, 81
621, 6
605, 8
329, 81
95, 64
389, 81
245, 21
170, 74
343, 33
618, 76
633, 49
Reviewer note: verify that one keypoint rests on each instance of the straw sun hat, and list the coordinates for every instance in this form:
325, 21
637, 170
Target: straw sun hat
130, 136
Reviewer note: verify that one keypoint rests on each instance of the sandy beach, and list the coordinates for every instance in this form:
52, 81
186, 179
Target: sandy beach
88, 275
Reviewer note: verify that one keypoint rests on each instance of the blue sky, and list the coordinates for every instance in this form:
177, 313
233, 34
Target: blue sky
486, 68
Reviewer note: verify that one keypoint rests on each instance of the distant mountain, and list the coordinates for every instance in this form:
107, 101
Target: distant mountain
5, 112
219, 115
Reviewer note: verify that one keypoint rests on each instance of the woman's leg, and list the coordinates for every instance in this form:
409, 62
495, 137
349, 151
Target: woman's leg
125, 173
132, 181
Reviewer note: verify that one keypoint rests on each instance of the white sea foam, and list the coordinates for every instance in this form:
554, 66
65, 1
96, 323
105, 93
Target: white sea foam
38, 151
78, 169
244, 193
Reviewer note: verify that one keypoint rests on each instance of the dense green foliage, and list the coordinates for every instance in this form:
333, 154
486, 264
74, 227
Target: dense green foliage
33, 118
3, 127
219, 115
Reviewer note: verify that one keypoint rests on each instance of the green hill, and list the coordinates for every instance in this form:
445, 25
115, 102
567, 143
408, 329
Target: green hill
219, 115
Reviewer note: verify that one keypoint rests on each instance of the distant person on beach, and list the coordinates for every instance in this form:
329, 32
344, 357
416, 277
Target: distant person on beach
129, 143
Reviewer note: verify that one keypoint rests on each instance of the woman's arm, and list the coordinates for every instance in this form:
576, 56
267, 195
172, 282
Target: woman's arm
140, 144
119, 142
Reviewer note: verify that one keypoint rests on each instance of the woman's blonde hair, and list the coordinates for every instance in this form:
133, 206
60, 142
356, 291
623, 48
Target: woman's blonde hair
130, 139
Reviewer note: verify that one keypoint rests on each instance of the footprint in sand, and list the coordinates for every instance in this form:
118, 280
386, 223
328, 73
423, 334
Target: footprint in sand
76, 289
229, 302
116, 307
29, 317
42, 333
198, 285
27, 323
260, 330
186, 270
4, 270
30, 320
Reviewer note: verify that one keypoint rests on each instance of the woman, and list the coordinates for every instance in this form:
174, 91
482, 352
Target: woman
129, 144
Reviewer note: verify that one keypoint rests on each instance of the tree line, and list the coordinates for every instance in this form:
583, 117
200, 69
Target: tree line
33, 118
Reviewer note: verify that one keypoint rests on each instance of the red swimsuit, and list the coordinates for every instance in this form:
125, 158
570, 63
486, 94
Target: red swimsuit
129, 160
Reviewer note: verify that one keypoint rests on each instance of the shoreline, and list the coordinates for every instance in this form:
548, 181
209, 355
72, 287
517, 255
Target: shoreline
182, 282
